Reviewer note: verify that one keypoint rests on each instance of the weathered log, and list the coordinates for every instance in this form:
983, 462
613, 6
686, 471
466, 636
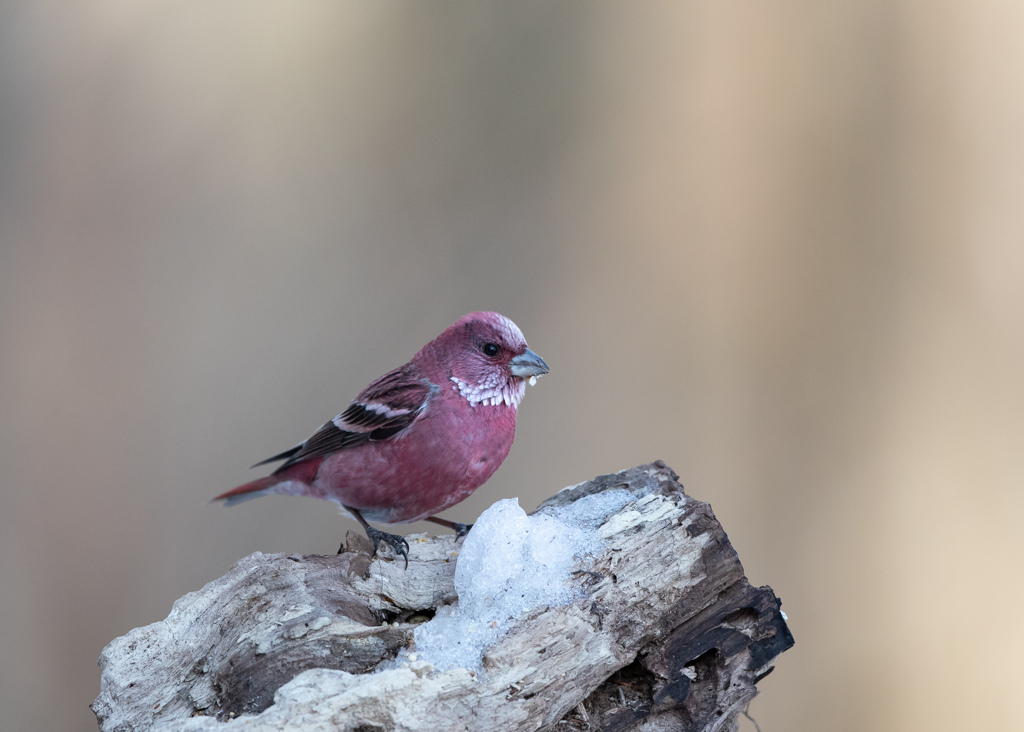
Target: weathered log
665, 633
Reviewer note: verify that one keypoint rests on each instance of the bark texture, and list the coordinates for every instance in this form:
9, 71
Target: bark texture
668, 635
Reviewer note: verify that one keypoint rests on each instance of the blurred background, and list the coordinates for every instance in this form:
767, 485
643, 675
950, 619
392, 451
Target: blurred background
778, 245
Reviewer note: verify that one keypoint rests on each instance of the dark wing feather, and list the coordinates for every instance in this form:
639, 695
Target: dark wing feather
383, 409
401, 389
280, 456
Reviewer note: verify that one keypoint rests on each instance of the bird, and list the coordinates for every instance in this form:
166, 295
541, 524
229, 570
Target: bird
419, 439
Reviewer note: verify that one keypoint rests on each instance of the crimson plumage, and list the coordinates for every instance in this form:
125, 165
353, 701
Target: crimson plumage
420, 438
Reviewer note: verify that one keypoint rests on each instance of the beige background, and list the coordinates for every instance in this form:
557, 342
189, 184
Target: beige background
776, 244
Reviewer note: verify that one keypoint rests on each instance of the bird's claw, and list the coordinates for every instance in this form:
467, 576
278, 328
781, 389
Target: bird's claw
397, 543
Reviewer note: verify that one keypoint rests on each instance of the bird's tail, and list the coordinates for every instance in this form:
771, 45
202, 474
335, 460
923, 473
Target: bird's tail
296, 479
246, 492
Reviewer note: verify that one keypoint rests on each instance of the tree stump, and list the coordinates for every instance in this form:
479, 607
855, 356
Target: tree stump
664, 633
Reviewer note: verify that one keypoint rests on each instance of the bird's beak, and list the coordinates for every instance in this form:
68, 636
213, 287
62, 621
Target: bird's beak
528, 364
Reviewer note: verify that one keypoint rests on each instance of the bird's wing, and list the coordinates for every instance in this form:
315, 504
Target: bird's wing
383, 409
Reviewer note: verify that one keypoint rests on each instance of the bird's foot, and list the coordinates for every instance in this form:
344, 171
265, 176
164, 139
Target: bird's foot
459, 529
397, 543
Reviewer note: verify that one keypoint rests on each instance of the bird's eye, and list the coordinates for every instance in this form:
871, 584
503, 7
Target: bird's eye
490, 349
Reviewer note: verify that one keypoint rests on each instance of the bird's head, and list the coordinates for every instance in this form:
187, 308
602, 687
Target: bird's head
487, 359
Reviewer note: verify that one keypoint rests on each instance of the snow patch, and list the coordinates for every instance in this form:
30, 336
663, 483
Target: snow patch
511, 564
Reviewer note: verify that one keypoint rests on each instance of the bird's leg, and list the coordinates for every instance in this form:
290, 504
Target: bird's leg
397, 543
459, 529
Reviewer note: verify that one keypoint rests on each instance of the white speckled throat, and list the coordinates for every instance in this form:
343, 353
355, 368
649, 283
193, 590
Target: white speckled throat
492, 394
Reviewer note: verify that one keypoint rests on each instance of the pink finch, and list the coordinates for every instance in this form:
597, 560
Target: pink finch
420, 438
